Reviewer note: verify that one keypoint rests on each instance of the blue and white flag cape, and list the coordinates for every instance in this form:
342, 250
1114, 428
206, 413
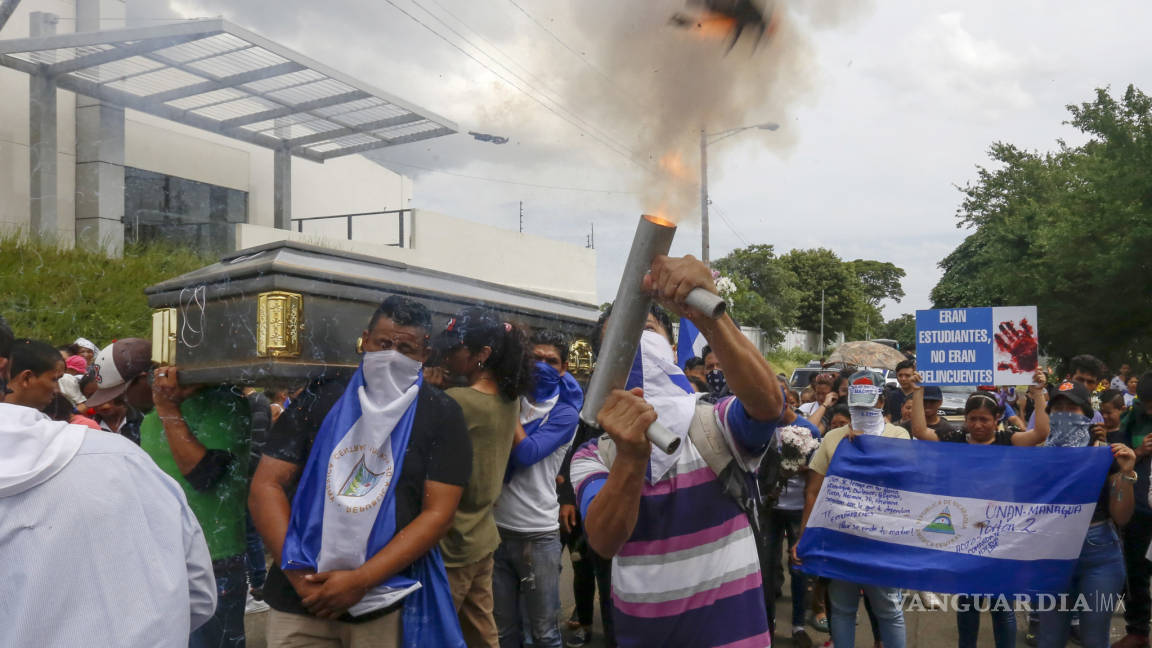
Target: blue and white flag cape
429, 616
952, 517
691, 342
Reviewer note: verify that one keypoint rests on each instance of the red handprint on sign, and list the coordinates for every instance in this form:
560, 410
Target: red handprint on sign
1020, 345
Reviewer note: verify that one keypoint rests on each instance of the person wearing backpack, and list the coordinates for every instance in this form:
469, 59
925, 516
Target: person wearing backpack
686, 570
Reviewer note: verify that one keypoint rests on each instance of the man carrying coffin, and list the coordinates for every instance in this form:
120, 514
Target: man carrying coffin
356, 557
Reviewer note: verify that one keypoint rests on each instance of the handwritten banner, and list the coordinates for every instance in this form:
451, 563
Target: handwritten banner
926, 516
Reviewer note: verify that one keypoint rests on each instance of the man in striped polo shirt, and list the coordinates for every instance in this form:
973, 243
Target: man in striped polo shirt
685, 569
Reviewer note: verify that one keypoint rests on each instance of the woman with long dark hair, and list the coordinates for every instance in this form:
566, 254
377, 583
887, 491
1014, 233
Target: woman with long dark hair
492, 358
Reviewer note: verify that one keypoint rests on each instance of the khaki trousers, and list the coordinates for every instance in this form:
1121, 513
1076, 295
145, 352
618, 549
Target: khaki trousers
472, 595
287, 630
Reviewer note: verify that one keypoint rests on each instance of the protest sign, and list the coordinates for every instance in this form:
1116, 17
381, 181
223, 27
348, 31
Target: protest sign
977, 346
882, 520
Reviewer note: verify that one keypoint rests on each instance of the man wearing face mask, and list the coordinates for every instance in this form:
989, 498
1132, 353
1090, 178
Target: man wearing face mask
685, 570
387, 458
866, 404
714, 374
527, 563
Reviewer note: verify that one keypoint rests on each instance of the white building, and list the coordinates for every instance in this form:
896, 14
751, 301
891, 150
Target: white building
208, 134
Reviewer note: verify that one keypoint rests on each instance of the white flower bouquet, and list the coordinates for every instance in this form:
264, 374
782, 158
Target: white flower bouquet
796, 448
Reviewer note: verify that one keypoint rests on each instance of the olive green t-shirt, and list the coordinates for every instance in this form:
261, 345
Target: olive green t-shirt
221, 420
491, 423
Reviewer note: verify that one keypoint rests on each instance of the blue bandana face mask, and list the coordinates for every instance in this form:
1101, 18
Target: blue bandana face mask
1069, 430
717, 383
547, 382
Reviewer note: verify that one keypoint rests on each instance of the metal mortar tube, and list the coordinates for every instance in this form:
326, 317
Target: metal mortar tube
623, 330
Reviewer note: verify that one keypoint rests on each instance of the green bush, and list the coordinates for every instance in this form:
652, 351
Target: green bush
785, 360
57, 295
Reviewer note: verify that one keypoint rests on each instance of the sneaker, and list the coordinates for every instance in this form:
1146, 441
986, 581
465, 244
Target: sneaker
819, 623
581, 637
573, 622
254, 606
1030, 636
1131, 640
800, 639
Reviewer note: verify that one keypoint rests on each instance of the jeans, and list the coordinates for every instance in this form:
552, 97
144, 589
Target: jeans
968, 622
1099, 577
257, 568
1137, 602
785, 524
527, 571
845, 600
226, 628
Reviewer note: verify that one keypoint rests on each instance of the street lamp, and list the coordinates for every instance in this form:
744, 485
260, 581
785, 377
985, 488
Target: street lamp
705, 140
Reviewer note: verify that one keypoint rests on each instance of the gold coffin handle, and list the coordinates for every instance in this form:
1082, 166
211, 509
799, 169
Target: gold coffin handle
164, 322
279, 319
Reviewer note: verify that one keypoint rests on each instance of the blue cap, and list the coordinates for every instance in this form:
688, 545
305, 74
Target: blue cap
933, 393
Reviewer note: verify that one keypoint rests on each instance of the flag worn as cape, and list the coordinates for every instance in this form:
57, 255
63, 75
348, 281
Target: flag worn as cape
429, 616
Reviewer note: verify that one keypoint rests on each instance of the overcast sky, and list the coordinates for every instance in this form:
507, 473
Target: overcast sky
885, 109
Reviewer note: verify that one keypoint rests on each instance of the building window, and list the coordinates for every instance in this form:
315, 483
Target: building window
191, 214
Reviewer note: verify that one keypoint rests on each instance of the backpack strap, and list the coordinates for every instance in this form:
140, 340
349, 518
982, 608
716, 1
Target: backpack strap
709, 439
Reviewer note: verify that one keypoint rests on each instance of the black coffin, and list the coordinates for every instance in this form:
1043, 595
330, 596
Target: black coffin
284, 312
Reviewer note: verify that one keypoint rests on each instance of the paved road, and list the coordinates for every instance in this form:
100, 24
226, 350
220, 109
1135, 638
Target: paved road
925, 629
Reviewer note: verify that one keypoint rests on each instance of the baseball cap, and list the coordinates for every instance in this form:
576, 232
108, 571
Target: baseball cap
117, 365
1074, 392
933, 393
864, 388
77, 363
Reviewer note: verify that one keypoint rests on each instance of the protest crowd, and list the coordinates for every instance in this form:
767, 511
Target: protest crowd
428, 499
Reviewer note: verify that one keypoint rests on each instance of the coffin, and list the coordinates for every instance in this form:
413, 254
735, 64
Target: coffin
286, 312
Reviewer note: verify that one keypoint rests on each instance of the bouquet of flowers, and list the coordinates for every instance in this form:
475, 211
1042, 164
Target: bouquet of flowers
796, 447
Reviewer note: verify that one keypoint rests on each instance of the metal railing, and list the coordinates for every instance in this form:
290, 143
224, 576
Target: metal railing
400, 213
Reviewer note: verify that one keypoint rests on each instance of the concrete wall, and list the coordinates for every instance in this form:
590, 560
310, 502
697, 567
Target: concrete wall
461, 247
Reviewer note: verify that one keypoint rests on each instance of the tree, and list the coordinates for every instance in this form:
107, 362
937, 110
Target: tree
880, 280
902, 329
766, 295
820, 270
1067, 230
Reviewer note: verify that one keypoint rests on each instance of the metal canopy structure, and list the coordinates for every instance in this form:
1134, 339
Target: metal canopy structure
214, 75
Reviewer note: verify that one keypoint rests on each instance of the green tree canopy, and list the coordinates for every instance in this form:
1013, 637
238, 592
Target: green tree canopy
880, 280
820, 270
902, 329
766, 294
1068, 231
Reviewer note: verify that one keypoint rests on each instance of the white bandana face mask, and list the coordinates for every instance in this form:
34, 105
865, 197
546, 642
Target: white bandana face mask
388, 374
868, 420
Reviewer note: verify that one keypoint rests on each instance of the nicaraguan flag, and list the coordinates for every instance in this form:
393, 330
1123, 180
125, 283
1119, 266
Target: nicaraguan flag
344, 512
952, 517
691, 342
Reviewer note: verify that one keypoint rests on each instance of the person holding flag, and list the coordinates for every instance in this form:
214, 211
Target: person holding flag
358, 563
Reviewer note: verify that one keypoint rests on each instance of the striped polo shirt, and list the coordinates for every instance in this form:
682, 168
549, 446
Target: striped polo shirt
689, 575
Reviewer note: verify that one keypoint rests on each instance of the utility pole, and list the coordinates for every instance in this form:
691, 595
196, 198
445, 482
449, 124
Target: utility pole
821, 323
703, 196
521, 216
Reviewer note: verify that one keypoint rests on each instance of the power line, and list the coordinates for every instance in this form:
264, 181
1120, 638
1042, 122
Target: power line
610, 136
504, 181
724, 218
578, 54
625, 153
